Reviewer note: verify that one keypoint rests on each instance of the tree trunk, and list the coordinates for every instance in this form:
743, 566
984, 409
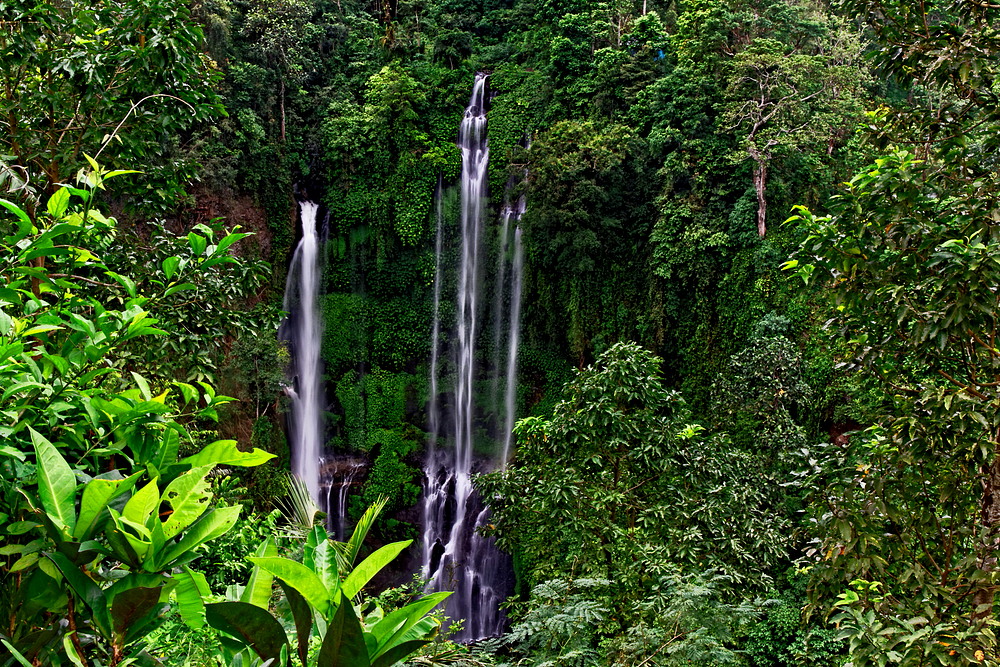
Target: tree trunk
760, 185
982, 600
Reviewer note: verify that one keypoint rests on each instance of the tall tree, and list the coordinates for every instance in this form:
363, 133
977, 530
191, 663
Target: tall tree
911, 252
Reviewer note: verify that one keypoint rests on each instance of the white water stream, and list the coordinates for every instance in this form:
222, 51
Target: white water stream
306, 335
455, 557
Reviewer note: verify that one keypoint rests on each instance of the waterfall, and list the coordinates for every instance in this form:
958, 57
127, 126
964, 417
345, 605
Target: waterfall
455, 557
305, 331
344, 471
514, 325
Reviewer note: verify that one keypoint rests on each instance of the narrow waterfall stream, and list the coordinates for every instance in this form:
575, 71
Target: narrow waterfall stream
304, 330
512, 215
455, 557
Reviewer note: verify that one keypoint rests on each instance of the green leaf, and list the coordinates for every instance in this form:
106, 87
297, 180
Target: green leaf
399, 651
56, 484
170, 265
227, 453
130, 607
143, 386
124, 281
320, 557
188, 496
16, 210
258, 589
58, 203
212, 524
371, 566
303, 617
344, 643
96, 495
41, 328
169, 446
197, 242
349, 551
143, 504
70, 649
191, 591
254, 626
174, 289
397, 624
17, 656
299, 577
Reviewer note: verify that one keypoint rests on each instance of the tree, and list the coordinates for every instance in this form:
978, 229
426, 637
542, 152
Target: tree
911, 255
76, 75
618, 484
784, 100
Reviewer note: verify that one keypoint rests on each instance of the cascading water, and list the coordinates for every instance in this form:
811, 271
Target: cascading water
514, 324
455, 557
343, 473
305, 331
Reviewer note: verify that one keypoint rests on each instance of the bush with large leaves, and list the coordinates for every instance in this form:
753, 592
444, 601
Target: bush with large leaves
99, 511
322, 592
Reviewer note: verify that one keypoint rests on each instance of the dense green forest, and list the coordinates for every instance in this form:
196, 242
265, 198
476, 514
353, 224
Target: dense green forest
757, 371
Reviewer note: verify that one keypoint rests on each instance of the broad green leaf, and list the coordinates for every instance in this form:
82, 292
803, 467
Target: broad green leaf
96, 495
70, 649
253, 626
299, 577
41, 328
258, 589
399, 652
229, 240
58, 203
394, 627
319, 556
191, 591
344, 643
56, 484
303, 617
174, 289
169, 446
16, 210
143, 386
197, 242
371, 566
124, 281
24, 562
143, 504
188, 496
170, 265
227, 453
212, 524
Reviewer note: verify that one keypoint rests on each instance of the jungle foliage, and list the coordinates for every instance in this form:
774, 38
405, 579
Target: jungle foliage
671, 500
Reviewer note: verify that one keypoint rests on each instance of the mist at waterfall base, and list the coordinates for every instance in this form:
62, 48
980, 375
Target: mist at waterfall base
465, 437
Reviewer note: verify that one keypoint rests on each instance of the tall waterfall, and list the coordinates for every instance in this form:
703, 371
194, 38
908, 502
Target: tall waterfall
512, 237
455, 557
305, 331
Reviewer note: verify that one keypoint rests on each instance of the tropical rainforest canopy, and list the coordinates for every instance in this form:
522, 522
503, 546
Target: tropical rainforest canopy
639, 333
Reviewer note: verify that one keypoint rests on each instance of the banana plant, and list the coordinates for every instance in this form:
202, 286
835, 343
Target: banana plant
321, 592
